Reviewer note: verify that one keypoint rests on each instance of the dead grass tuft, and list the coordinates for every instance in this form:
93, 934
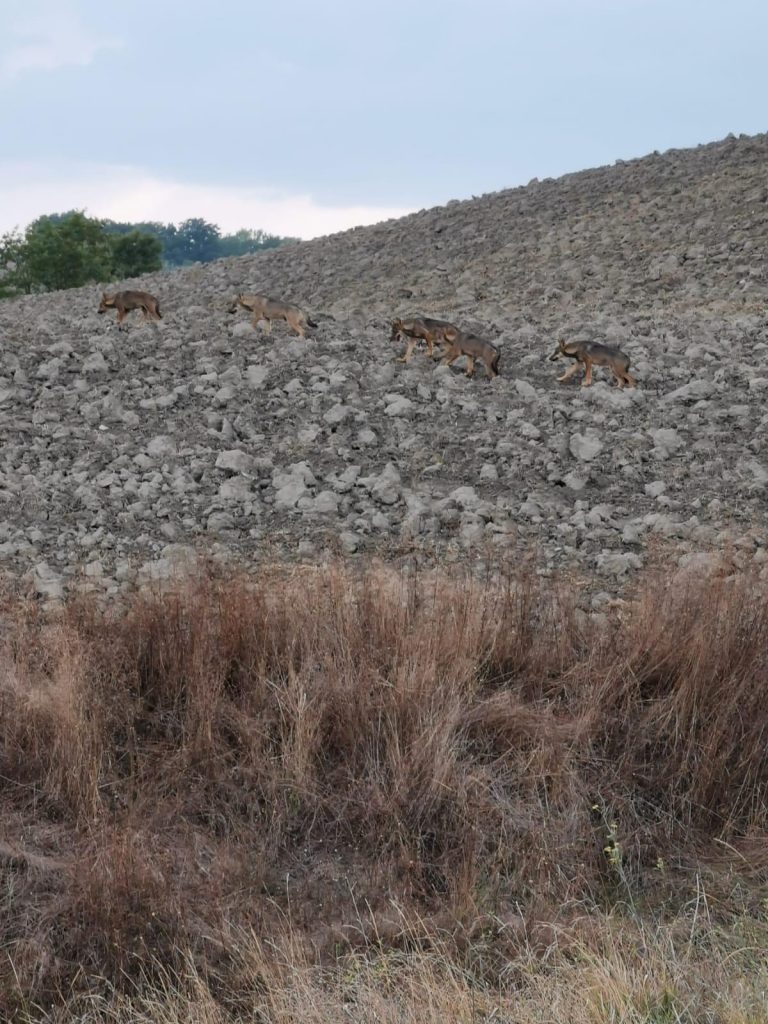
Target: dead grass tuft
399, 793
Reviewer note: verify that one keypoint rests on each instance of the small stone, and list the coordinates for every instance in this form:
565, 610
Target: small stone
401, 406
288, 495
465, 497
161, 446
350, 542
47, 582
387, 488
325, 502
95, 364
654, 489
525, 389
235, 461
584, 448
256, 376
236, 488
337, 414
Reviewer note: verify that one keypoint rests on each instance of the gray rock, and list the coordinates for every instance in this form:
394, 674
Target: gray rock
465, 497
257, 376
654, 489
350, 542
576, 481
95, 364
237, 488
666, 441
162, 446
337, 414
617, 563
47, 582
400, 406
525, 389
326, 502
584, 448
235, 461
387, 488
220, 522
693, 392
242, 329
288, 495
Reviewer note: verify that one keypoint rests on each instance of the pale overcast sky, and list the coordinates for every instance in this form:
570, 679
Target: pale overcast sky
303, 118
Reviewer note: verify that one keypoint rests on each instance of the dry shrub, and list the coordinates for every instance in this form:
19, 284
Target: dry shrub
683, 714
313, 748
50, 724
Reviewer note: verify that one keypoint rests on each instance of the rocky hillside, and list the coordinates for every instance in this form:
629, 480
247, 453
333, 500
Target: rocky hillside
124, 450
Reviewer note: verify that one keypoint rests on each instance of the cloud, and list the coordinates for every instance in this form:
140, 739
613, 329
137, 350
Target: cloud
53, 39
28, 190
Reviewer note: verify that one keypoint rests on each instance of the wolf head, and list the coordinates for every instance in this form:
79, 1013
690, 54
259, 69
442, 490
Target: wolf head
564, 348
397, 326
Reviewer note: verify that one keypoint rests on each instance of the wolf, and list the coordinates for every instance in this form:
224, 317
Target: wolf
264, 308
124, 302
470, 345
419, 328
591, 353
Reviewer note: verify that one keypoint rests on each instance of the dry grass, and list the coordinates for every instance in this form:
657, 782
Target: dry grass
386, 798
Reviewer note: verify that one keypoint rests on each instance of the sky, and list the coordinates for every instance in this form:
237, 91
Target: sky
303, 118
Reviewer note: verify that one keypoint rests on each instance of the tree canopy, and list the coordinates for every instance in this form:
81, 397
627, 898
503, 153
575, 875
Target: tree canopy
67, 254
135, 253
68, 250
197, 240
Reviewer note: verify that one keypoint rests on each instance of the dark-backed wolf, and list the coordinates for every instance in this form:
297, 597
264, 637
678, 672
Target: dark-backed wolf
420, 328
124, 302
264, 308
470, 345
592, 353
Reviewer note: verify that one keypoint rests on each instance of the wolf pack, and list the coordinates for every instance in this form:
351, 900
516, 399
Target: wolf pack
413, 330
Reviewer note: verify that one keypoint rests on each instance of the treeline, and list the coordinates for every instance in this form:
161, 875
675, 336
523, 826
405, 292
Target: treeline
68, 250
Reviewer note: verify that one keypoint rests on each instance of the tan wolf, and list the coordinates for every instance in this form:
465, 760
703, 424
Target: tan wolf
264, 308
592, 353
124, 302
470, 345
420, 328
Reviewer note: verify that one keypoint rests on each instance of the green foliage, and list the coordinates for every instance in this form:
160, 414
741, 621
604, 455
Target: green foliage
136, 253
246, 241
197, 240
67, 254
68, 250
149, 227
14, 278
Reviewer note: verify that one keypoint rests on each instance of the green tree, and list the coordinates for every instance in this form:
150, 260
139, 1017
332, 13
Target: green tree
14, 274
247, 240
197, 240
120, 227
69, 253
66, 250
136, 253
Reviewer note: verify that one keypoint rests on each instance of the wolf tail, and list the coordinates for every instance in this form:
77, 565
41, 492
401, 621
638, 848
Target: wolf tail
311, 323
157, 307
495, 362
